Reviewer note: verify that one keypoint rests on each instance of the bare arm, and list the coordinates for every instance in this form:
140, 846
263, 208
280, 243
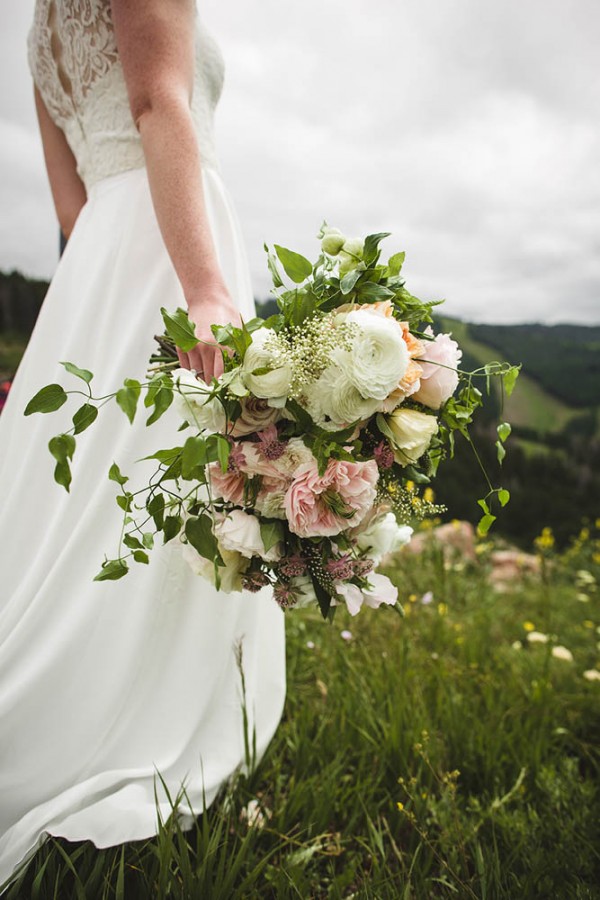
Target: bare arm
68, 191
156, 46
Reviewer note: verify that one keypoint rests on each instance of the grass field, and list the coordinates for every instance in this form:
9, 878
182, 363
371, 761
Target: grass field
448, 754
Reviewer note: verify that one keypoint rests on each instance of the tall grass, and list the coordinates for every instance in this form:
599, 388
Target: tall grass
443, 755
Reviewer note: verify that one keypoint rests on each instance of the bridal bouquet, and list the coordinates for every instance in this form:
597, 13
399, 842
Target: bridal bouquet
309, 458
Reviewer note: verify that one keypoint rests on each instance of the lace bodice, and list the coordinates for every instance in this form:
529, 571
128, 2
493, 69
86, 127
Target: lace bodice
75, 64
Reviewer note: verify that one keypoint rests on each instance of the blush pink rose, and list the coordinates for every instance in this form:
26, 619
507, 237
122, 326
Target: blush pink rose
439, 378
308, 505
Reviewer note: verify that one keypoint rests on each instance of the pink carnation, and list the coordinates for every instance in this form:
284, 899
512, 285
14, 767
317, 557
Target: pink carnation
306, 504
229, 484
439, 378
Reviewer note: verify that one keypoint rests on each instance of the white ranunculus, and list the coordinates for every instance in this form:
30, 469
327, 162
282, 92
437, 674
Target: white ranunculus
412, 433
383, 536
240, 531
378, 359
193, 402
230, 575
273, 385
335, 402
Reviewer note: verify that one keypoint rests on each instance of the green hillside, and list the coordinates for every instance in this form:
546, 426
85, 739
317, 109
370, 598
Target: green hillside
535, 405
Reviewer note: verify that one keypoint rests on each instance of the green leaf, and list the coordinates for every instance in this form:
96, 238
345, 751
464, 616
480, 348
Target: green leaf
372, 241
112, 569
199, 534
162, 401
171, 527
124, 501
84, 417
395, 263
193, 455
484, 524
483, 505
370, 292
503, 496
349, 280
62, 448
127, 397
47, 400
166, 456
271, 533
156, 508
132, 542
148, 540
509, 379
272, 265
383, 426
500, 451
141, 557
503, 430
180, 329
84, 374
296, 266
218, 449
114, 473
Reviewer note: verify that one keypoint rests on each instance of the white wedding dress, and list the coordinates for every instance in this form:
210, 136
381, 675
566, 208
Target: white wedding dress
104, 684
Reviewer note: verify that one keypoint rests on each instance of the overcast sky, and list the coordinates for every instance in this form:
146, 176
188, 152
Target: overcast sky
470, 129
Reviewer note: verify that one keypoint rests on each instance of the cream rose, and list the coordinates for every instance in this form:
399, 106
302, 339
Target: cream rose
230, 575
193, 402
379, 356
412, 433
239, 531
273, 385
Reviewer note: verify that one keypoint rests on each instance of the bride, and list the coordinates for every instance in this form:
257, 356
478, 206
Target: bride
105, 684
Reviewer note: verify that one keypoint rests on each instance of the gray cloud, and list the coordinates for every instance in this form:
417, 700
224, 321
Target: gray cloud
467, 129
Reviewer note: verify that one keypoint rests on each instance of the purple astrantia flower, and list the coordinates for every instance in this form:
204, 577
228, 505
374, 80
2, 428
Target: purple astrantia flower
269, 445
292, 566
341, 569
384, 456
254, 581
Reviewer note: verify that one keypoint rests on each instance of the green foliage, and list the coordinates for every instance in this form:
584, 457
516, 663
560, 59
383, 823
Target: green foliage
62, 448
426, 757
48, 399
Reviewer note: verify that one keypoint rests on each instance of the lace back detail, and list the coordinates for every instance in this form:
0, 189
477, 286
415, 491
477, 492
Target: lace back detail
75, 64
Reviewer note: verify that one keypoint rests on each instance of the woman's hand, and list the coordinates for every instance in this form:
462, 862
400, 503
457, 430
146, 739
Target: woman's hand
212, 306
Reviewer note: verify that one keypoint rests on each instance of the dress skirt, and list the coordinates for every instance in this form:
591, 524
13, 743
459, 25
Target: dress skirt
105, 684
